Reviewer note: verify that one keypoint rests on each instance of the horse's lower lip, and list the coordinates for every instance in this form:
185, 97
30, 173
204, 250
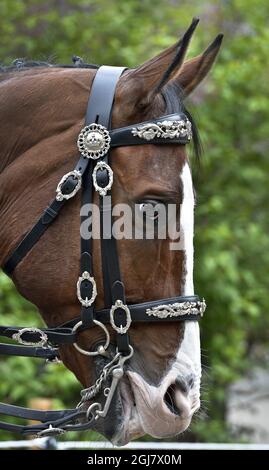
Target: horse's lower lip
122, 437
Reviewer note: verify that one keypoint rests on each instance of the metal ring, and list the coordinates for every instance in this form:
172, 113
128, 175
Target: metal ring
91, 407
42, 341
125, 358
91, 353
120, 329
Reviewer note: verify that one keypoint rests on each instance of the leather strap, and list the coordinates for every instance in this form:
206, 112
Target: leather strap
138, 312
124, 136
54, 419
102, 95
99, 111
63, 334
28, 351
86, 263
48, 216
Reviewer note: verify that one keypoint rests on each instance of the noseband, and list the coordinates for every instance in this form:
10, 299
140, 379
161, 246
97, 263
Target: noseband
93, 173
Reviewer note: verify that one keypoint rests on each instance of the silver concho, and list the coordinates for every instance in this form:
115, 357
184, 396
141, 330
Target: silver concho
88, 301
94, 141
102, 166
177, 309
42, 341
164, 130
120, 329
59, 195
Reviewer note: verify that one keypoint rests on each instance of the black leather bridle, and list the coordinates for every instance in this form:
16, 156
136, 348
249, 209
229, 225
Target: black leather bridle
93, 173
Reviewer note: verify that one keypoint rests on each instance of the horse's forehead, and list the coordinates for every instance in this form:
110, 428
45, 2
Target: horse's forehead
156, 163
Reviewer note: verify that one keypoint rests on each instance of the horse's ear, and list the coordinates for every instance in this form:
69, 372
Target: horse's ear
149, 78
193, 71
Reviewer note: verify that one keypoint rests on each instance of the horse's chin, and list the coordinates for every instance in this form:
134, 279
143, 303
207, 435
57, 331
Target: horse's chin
131, 427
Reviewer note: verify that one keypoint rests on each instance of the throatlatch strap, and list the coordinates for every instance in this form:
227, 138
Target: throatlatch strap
48, 216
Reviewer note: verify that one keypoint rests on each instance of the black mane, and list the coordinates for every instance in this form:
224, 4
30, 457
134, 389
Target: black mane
174, 99
23, 64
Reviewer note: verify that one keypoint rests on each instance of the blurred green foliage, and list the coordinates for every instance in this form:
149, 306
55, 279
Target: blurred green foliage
232, 111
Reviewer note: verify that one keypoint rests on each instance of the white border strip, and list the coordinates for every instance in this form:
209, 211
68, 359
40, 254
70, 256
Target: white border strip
43, 443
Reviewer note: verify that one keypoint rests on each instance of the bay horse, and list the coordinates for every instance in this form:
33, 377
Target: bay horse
42, 109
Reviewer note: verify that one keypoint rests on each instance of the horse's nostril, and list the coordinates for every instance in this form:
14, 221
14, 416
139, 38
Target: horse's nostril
184, 384
177, 393
169, 399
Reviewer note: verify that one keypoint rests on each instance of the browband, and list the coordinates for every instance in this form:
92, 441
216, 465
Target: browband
173, 128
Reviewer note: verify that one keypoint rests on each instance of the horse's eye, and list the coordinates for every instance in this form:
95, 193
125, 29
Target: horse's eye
150, 208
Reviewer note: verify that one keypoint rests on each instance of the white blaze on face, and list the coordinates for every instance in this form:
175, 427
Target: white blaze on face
151, 414
189, 354
187, 229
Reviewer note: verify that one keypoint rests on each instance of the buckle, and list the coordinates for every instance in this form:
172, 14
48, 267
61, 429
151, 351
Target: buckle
102, 166
87, 302
120, 305
94, 141
59, 190
42, 340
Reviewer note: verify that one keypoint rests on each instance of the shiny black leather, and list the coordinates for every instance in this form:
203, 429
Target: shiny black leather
123, 136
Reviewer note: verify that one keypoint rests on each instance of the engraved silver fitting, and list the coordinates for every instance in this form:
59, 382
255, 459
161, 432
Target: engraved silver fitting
178, 309
59, 194
94, 141
88, 301
42, 340
164, 130
102, 166
120, 305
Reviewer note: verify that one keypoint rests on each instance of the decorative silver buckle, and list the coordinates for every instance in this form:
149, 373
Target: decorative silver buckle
100, 348
59, 195
120, 329
94, 141
86, 277
101, 166
42, 341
